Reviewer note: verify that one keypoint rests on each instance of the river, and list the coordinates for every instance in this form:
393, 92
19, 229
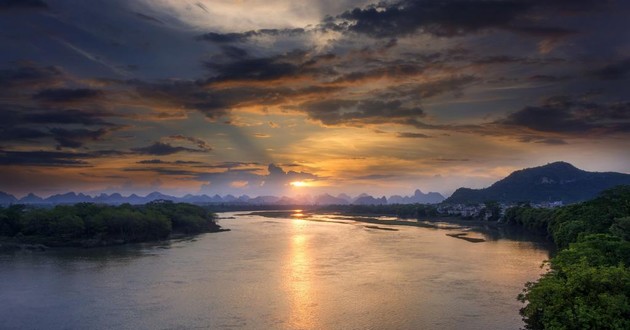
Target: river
277, 273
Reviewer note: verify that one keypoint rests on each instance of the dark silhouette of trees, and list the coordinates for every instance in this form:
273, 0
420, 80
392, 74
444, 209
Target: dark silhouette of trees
95, 224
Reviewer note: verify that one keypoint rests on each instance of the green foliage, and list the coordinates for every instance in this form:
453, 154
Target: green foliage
621, 228
595, 216
588, 285
493, 210
65, 224
531, 218
583, 297
10, 220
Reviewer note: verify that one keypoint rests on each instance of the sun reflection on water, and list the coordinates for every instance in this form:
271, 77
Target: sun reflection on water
298, 280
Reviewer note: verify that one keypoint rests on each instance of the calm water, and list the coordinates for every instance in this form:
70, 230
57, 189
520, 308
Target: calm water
275, 274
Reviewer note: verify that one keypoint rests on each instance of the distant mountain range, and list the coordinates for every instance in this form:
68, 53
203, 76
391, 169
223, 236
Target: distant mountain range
116, 198
557, 181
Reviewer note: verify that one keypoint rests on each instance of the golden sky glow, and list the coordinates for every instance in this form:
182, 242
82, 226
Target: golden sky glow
283, 97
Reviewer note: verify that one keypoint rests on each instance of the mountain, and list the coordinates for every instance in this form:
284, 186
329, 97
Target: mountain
327, 199
31, 199
6, 198
365, 199
557, 181
68, 198
418, 197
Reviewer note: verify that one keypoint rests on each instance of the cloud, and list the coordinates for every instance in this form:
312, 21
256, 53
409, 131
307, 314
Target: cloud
67, 94
291, 64
359, 113
573, 117
28, 75
162, 149
457, 17
71, 116
42, 158
190, 95
615, 71
148, 18
163, 171
20, 133
177, 162
411, 135
201, 144
22, 4
276, 181
75, 138
234, 37
542, 140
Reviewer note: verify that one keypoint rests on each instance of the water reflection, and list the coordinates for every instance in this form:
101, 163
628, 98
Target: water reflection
297, 214
297, 279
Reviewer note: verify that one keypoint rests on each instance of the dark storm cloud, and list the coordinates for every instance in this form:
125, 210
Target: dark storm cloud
572, 117
75, 138
42, 158
411, 135
71, 116
244, 68
162, 149
184, 94
234, 52
217, 102
22, 4
254, 69
459, 17
233, 37
358, 113
615, 71
20, 133
67, 94
28, 75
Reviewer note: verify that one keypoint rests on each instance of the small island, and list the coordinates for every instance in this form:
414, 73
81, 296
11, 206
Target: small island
92, 225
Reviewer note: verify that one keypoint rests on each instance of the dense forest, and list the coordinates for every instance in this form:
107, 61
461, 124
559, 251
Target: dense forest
588, 283
88, 224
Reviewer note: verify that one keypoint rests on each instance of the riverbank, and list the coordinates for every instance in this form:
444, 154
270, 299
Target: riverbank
26, 243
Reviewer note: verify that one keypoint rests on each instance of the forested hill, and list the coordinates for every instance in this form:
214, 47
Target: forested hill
557, 181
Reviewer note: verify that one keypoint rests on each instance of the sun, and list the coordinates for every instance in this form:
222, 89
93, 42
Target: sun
299, 184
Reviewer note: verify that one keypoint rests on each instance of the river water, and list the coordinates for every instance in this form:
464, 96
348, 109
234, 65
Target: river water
277, 273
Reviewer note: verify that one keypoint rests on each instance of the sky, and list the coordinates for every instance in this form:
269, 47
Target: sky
280, 97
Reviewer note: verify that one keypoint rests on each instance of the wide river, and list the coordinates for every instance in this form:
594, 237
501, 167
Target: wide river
277, 273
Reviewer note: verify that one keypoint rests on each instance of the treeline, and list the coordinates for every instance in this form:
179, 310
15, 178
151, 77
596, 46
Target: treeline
404, 211
88, 224
588, 284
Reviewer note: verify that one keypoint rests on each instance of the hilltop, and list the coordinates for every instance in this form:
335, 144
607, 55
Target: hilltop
559, 181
